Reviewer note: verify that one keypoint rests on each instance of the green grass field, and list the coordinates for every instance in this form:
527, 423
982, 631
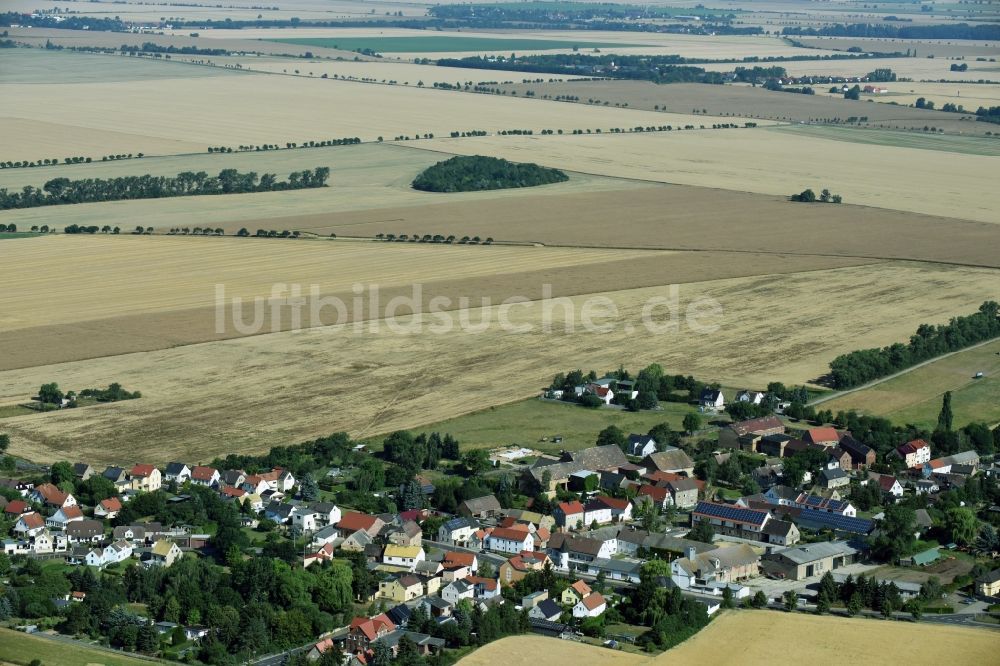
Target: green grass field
5, 235
7, 411
970, 145
18, 648
526, 422
916, 396
440, 44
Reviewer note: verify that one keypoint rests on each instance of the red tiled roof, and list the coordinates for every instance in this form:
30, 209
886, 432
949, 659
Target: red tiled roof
16, 507
581, 588
886, 482
457, 559
593, 601
142, 470
354, 521
51, 494
32, 520
570, 508
662, 477
230, 491
112, 504
487, 583
826, 434
509, 533
613, 502
324, 645
657, 493
372, 627
72, 512
203, 473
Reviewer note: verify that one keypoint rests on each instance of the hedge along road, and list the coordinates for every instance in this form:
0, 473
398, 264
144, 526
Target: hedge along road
875, 382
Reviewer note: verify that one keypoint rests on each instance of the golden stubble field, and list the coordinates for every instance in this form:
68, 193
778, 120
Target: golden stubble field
760, 635
255, 108
163, 274
756, 160
248, 394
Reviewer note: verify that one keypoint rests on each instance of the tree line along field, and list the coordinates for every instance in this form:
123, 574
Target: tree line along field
756, 102
915, 396
918, 69
189, 114
365, 177
324, 380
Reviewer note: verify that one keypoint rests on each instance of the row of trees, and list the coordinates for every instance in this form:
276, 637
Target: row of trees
60, 191
858, 367
477, 172
882, 30
66, 160
436, 238
289, 145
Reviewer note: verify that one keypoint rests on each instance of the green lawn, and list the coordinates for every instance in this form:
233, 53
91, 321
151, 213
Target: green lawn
442, 43
915, 397
8, 411
19, 648
971, 145
526, 422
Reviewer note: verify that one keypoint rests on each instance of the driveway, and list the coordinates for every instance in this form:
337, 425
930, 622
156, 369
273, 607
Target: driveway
776, 588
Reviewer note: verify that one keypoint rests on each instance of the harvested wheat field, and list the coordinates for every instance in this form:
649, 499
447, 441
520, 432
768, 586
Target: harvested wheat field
528, 649
763, 634
230, 111
251, 393
135, 275
673, 217
157, 293
757, 102
755, 160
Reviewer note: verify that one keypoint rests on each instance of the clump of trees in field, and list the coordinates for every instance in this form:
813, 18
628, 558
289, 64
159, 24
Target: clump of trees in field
478, 172
50, 396
858, 367
808, 196
60, 191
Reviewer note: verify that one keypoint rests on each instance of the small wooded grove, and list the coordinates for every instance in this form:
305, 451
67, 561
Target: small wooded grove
477, 172
62, 190
858, 367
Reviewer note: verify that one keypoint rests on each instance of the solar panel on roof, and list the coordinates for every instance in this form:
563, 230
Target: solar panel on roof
836, 521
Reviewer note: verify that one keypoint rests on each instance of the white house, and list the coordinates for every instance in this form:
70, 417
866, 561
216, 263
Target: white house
598, 512
753, 397
64, 516
329, 513
640, 445
306, 520
590, 606
108, 508
457, 590
29, 524
403, 556
177, 472
712, 399
204, 476
914, 453
457, 531
509, 540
